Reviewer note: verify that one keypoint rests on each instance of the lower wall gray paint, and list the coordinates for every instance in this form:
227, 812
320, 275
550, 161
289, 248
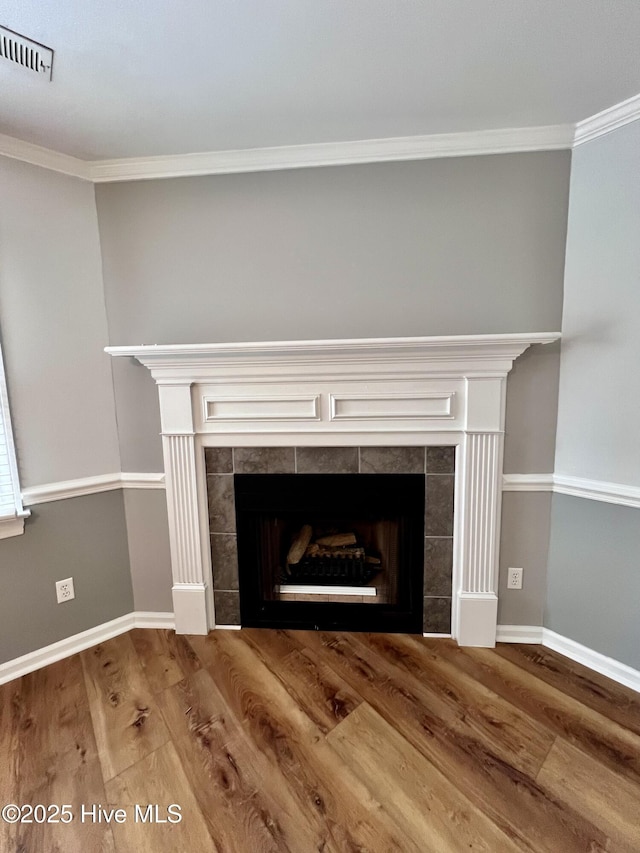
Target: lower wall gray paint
594, 576
84, 538
524, 542
148, 536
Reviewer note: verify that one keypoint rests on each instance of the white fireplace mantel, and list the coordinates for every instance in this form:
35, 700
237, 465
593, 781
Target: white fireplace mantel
376, 391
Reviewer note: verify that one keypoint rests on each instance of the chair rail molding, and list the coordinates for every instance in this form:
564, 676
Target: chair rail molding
391, 391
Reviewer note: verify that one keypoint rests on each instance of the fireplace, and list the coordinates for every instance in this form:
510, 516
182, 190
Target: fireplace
331, 551
427, 469
344, 394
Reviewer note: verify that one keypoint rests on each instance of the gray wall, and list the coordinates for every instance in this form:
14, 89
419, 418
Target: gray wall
458, 246
594, 582
594, 578
148, 538
599, 409
53, 325
81, 537
466, 245
524, 542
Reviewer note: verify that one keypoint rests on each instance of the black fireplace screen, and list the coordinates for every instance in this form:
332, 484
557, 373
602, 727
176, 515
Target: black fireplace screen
331, 551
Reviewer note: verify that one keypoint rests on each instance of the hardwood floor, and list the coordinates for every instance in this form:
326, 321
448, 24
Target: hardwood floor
309, 741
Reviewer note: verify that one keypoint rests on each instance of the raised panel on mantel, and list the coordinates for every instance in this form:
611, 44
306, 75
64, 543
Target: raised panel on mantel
267, 408
423, 406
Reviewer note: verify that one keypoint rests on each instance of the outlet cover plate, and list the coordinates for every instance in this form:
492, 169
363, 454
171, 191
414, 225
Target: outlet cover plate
65, 590
514, 578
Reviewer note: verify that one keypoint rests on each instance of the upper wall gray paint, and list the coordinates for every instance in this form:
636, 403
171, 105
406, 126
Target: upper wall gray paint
594, 582
84, 538
532, 409
599, 407
53, 325
465, 245
458, 246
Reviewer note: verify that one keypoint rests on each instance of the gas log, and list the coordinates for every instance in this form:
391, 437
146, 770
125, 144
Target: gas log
335, 558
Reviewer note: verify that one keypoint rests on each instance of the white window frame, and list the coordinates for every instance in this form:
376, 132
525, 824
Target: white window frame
12, 522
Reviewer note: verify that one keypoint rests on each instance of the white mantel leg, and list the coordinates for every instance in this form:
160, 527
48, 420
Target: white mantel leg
178, 444
189, 586
477, 600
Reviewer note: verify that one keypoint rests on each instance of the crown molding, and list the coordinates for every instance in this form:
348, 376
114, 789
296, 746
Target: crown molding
500, 141
36, 155
392, 149
610, 119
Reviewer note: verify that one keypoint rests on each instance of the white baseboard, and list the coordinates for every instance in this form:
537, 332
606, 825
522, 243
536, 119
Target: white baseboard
519, 634
431, 635
79, 642
148, 619
613, 669
39, 658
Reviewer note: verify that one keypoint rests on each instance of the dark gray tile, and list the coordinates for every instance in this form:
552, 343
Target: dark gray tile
224, 560
439, 505
392, 460
437, 616
264, 460
227, 606
222, 511
218, 460
441, 460
438, 565
327, 460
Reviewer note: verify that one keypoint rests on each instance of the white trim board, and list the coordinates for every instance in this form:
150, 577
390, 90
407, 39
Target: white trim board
47, 158
64, 489
527, 482
597, 490
579, 487
391, 149
79, 642
531, 634
610, 667
534, 634
607, 120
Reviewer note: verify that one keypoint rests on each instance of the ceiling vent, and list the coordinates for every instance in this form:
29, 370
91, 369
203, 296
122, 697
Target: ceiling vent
29, 54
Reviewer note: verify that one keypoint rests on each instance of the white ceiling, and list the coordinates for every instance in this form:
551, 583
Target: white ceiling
149, 77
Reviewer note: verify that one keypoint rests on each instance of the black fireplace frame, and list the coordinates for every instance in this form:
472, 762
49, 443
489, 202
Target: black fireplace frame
402, 495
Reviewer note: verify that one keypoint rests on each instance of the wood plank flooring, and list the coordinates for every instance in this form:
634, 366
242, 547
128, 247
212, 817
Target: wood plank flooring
311, 741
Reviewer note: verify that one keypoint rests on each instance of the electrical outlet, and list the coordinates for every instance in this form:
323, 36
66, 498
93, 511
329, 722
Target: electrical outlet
64, 590
514, 578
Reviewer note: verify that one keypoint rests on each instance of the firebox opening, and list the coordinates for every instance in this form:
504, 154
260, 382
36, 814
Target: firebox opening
331, 551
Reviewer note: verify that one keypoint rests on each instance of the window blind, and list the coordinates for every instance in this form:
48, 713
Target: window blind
11, 508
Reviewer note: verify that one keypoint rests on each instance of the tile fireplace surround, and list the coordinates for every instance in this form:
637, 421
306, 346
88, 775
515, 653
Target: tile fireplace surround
404, 392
